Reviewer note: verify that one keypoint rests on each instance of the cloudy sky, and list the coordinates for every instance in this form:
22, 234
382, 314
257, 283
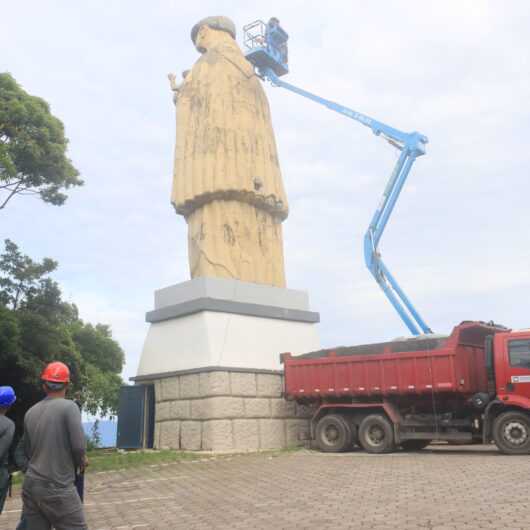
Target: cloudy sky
457, 71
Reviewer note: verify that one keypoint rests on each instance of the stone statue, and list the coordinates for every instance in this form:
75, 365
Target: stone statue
227, 181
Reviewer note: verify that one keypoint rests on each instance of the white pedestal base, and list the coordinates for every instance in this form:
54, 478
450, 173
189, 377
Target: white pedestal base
208, 323
208, 339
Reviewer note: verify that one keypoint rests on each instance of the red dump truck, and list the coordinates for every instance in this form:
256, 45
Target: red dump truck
470, 386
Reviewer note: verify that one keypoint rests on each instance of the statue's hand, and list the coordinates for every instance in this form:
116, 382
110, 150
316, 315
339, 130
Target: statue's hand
172, 81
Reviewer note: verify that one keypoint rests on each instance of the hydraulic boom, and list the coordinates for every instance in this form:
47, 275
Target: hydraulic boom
267, 51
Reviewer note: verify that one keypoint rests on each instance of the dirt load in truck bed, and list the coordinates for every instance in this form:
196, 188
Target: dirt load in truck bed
395, 346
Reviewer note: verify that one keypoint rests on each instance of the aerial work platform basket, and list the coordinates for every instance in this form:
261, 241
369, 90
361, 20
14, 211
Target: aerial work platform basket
266, 46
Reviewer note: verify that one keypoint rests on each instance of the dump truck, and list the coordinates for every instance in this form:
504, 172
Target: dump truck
472, 386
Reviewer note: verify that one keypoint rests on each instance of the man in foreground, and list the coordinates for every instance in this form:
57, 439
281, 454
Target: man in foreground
7, 431
54, 443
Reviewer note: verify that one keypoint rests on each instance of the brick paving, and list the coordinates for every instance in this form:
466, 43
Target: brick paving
439, 488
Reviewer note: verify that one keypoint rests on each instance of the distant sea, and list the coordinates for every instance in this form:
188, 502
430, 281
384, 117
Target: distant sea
107, 431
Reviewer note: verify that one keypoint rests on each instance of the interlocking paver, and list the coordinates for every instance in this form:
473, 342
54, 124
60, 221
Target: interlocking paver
440, 488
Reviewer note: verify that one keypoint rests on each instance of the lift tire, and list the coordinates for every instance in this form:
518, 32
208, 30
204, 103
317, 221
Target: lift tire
333, 434
414, 445
511, 433
376, 434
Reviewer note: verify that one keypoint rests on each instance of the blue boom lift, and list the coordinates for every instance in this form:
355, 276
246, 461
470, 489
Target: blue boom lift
266, 48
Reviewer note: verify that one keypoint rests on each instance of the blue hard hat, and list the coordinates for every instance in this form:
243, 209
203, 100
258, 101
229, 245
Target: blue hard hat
7, 396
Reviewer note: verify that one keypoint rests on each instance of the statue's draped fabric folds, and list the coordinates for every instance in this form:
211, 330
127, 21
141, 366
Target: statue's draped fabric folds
227, 181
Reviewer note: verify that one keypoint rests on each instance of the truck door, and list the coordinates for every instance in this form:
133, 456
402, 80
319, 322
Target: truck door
517, 365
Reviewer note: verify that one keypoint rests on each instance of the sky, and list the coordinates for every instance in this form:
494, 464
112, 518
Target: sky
457, 71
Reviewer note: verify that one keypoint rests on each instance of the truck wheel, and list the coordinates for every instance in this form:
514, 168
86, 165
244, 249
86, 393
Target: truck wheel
333, 434
511, 432
376, 434
414, 445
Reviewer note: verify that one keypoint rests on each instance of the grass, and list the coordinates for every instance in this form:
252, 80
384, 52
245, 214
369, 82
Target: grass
114, 459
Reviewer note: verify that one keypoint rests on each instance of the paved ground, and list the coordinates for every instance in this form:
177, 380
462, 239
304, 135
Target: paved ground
439, 488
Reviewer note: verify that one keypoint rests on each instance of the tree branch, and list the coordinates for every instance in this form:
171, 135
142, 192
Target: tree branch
10, 196
10, 184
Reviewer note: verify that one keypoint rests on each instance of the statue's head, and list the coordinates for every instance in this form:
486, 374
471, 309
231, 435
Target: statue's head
206, 30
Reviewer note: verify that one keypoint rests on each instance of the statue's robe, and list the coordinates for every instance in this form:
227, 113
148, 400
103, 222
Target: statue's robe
227, 181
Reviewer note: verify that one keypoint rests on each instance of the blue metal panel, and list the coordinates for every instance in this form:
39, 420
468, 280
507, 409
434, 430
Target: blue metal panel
133, 405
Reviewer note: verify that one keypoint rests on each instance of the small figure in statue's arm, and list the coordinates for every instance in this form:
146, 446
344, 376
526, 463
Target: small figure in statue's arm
174, 86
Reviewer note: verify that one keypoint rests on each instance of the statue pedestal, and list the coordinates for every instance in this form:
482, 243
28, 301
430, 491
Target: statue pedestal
212, 352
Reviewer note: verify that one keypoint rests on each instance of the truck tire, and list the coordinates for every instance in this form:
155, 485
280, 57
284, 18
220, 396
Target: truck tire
333, 434
511, 433
414, 445
376, 434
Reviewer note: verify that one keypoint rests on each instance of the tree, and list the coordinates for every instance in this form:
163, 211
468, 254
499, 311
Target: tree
103, 361
33, 147
21, 275
97, 347
37, 327
95, 436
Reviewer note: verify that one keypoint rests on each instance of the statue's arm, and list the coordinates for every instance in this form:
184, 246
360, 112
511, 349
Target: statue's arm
176, 87
172, 81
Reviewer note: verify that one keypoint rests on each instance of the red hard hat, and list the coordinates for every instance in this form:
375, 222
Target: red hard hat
56, 372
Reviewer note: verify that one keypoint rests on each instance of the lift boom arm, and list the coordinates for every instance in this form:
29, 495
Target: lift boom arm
411, 146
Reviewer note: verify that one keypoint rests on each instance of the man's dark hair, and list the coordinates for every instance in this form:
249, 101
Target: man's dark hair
53, 387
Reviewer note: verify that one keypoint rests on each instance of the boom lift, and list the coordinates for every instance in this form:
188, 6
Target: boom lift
266, 49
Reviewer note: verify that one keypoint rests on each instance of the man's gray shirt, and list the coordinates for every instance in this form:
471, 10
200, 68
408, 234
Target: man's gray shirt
7, 431
54, 440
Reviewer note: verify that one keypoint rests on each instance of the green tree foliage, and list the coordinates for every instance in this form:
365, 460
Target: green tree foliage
21, 275
33, 147
37, 327
94, 440
97, 347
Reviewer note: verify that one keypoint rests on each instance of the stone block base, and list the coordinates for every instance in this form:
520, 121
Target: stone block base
224, 410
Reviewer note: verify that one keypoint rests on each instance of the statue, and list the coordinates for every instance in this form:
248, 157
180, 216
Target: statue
227, 181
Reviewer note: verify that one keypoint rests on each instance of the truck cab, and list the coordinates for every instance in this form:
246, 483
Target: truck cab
511, 352
506, 417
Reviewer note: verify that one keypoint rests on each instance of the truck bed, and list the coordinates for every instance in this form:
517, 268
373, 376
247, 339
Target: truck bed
453, 363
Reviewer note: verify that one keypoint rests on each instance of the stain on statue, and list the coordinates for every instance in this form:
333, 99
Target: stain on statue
227, 181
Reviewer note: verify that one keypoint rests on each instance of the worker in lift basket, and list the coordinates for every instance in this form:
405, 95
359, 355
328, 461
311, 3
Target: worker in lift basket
54, 443
7, 431
282, 48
